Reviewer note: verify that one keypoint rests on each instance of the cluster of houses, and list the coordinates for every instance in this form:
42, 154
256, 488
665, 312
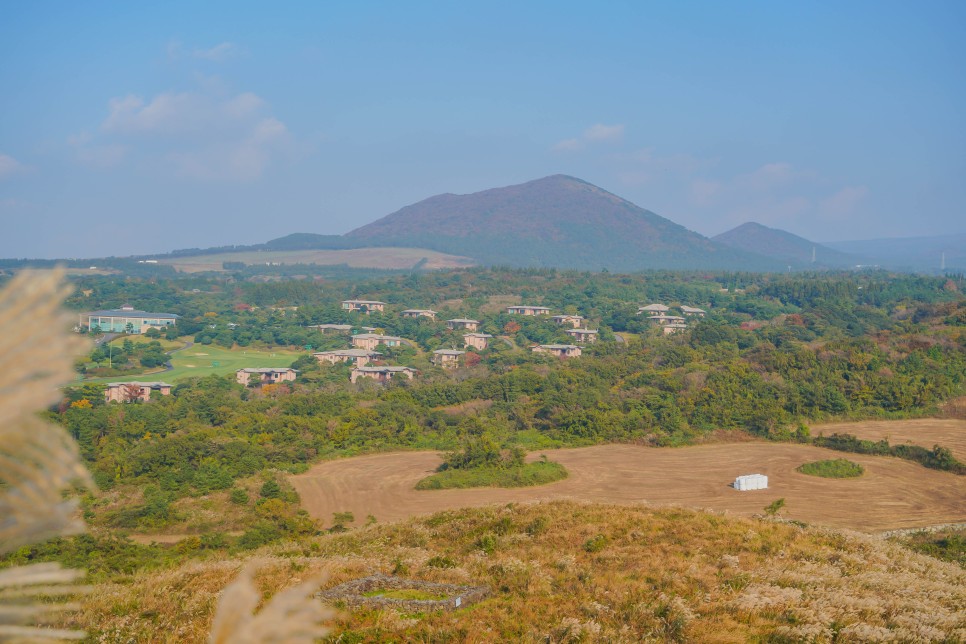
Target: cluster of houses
660, 314
362, 354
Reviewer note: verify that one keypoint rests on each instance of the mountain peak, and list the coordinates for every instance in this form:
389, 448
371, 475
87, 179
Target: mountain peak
558, 220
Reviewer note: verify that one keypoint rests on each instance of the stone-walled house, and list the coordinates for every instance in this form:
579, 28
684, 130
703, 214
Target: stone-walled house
528, 310
265, 375
573, 320
447, 357
131, 391
653, 309
360, 357
463, 323
583, 335
382, 374
363, 306
560, 350
370, 341
418, 313
479, 341
690, 310
334, 328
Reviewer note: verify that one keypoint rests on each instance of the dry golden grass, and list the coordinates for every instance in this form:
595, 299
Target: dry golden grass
925, 432
666, 574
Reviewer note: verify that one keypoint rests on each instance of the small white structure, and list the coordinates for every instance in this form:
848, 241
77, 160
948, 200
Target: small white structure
751, 482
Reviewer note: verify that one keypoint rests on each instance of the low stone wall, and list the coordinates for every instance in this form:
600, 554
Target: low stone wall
455, 596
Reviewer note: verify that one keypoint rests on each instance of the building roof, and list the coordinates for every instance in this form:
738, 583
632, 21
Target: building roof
477, 335
337, 327
660, 308
582, 331
464, 321
528, 306
362, 302
266, 369
152, 385
383, 369
691, 309
132, 313
567, 317
419, 311
370, 336
448, 352
558, 347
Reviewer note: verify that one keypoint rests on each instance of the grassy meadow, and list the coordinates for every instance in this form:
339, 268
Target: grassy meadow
199, 360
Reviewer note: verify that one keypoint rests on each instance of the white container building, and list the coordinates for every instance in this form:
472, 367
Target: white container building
751, 482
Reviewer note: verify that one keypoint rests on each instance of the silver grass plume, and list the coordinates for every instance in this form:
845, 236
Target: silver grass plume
38, 460
293, 616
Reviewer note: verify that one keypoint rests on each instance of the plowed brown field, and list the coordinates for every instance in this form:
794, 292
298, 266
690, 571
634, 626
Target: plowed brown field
892, 494
926, 432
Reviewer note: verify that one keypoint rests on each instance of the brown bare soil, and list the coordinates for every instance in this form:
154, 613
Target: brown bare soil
926, 432
892, 494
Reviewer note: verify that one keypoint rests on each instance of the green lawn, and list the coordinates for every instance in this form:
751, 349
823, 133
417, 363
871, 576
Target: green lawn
199, 360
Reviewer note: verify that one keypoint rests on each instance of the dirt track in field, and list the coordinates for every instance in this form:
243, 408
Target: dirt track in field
948, 432
892, 493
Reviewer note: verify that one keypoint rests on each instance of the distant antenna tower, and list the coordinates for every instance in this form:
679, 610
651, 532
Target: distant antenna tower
942, 261
813, 254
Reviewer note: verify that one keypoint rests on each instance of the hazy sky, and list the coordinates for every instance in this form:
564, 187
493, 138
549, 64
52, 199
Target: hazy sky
132, 127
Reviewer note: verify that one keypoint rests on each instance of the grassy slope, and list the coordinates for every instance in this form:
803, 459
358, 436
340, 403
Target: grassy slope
669, 574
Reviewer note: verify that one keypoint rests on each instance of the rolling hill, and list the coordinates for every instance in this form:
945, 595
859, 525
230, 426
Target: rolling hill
784, 247
556, 221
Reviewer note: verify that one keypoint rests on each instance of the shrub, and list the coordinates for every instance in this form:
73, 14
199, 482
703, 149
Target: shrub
838, 468
271, 490
238, 496
595, 544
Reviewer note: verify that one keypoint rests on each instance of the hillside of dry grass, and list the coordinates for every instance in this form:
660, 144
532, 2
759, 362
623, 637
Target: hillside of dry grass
564, 571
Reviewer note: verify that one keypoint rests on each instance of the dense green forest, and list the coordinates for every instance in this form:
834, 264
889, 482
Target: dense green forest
774, 353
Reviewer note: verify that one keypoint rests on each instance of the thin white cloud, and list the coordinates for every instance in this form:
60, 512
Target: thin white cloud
843, 202
601, 132
567, 144
9, 166
204, 134
218, 54
598, 133
185, 112
236, 160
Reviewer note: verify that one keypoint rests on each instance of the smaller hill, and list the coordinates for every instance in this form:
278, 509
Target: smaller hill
784, 246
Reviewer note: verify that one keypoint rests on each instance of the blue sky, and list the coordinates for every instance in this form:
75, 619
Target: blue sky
134, 127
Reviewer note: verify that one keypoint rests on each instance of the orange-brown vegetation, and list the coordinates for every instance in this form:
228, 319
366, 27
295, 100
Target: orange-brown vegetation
566, 571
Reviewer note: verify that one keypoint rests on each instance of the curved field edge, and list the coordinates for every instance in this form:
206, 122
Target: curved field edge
667, 573
526, 475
